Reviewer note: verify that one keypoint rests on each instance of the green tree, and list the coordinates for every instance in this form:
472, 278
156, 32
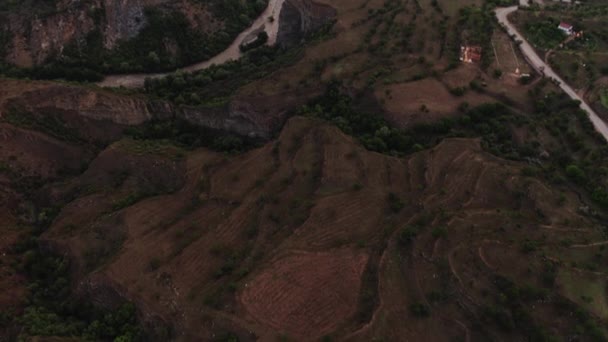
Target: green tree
575, 173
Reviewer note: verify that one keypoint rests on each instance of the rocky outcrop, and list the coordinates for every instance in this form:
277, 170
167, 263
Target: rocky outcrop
36, 38
124, 19
94, 105
300, 18
254, 117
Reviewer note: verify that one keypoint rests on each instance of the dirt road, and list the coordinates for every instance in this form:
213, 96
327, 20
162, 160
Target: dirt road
231, 53
541, 67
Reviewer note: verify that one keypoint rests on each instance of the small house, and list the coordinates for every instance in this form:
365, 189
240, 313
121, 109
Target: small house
567, 28
470, 54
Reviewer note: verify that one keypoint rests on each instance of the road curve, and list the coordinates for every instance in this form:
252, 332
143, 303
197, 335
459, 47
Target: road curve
233, 52
502, 14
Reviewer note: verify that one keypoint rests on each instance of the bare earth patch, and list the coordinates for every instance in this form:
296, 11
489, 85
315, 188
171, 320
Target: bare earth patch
307, 295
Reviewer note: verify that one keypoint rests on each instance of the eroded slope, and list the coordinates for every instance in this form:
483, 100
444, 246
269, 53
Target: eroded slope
312, 235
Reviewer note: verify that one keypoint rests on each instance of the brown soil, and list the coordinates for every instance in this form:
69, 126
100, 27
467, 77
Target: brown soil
298, 238
290, 247
428, 100
306, 295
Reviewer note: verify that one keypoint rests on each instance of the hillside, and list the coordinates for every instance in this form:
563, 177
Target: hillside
435, 238
82, 40
355, 182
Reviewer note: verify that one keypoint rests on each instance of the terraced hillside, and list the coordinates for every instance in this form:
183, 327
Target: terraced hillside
319, 237
357, 184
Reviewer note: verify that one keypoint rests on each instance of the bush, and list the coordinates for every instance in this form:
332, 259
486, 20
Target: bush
407, 235
525, 80
395, 203
439, 232
576, 174
420, 310
458, 91
600, 195
529, 246
187, 135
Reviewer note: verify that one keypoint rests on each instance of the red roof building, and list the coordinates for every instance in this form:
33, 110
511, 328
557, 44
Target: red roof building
470, 54
569, 29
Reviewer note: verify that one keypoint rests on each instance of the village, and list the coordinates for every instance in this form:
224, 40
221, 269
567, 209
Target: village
572, 37
472, 54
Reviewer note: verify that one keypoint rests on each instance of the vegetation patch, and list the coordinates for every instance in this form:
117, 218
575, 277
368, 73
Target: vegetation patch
604, 97
213, 87
156, 137
49, 124
490, 121
544, 34
162, 148
53, 310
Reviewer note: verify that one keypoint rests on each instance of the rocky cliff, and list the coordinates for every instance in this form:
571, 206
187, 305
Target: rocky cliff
124, 19
35, 36
299, 18
252, 117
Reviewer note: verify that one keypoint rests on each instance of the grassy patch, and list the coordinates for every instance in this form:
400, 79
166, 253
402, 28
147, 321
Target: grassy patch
586, 292
604, 97
169, 137
162, 148
128, 201
50, 124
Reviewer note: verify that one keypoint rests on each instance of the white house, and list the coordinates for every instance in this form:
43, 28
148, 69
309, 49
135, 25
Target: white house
569, 29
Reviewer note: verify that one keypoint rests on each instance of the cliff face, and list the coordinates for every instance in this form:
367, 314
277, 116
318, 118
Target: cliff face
91, 104
124, 19
299, 18
36, 36
253, 117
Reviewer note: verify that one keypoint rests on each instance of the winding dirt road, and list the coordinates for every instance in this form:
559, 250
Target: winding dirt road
502, 14
233, 52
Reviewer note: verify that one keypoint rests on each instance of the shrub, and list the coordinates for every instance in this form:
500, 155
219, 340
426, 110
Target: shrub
420, 310
407, 235
600, 195
439, 232
458, 91
395, 203
575, 173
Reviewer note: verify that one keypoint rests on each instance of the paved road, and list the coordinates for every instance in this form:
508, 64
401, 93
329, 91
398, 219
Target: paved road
233, 52
540, 66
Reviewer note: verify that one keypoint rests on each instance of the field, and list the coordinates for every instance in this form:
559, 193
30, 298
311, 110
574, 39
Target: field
307, 295
508, 57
